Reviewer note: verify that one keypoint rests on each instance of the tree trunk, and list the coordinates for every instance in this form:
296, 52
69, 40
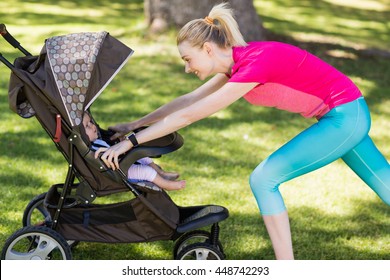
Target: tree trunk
161, 14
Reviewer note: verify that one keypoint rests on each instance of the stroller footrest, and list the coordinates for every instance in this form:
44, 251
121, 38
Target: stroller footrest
200, 216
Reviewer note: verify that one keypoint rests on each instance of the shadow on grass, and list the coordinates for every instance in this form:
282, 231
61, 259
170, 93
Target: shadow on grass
319, 235
52, 12
36, 144
351, 22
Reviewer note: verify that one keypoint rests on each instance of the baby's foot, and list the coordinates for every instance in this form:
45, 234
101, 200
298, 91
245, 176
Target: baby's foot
173, 185
169, 175
165, 174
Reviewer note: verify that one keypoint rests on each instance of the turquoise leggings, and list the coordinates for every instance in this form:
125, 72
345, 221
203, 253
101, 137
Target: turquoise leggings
341, 133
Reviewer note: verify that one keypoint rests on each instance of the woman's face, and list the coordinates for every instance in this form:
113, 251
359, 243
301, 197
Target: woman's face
197, 60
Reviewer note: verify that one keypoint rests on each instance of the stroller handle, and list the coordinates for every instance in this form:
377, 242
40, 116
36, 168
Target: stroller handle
11, 40
3, 30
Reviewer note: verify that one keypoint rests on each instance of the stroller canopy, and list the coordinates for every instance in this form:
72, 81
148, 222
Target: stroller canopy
83, 64
77, 67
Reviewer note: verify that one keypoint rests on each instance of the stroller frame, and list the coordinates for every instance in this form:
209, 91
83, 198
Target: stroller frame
67, 215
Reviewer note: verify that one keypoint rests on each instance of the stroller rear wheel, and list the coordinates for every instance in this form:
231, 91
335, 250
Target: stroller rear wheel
36, 213
200, 251
36, 243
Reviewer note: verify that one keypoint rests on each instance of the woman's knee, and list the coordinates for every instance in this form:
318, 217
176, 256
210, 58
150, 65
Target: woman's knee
255, 178
261, 180
265, 188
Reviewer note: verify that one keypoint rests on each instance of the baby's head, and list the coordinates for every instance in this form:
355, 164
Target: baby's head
90, 127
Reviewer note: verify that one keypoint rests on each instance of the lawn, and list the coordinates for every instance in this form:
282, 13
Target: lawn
333, 214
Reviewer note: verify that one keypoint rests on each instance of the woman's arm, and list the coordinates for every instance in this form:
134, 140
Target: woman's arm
177, 104
202, 108
185, 100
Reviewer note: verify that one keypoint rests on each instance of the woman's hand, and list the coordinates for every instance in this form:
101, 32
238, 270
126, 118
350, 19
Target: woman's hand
122, 129
110, 155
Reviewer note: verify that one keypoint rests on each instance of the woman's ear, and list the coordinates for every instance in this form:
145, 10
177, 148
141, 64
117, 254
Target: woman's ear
207, 46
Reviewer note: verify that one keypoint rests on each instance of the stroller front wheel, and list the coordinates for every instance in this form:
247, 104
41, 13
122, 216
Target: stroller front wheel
200, 251
196, 236
36, 243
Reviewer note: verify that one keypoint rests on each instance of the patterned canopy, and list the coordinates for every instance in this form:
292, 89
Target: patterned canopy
82, 65
68, 75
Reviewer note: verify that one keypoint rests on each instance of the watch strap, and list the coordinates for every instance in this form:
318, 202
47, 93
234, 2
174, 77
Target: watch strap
133, 139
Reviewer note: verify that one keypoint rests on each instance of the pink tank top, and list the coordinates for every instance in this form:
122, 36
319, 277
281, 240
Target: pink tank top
291, 79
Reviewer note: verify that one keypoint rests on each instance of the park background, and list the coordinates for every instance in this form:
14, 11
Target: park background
333, 214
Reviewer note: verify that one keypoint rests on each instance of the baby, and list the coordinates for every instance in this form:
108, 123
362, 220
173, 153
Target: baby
144, 170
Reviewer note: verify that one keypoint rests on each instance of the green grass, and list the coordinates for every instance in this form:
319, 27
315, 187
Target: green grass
333, 214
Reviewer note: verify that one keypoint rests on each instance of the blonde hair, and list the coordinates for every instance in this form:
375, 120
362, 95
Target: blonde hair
219, 27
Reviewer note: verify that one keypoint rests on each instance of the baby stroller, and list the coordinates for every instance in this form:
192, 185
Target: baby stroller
57, 87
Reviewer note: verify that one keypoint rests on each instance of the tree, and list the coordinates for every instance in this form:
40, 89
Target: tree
161, 14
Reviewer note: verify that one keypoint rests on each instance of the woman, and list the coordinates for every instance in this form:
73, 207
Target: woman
268, 74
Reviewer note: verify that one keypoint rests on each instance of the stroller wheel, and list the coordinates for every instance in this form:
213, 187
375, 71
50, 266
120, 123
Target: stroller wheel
196, 236
200, 251
36, 213
36, 243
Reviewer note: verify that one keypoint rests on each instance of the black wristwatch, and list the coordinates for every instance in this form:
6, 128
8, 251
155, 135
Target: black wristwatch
133, 139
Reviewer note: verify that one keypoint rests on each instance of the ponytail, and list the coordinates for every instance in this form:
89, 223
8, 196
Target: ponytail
219, 27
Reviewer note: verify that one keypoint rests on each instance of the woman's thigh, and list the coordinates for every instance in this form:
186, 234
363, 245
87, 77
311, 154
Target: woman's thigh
322, 143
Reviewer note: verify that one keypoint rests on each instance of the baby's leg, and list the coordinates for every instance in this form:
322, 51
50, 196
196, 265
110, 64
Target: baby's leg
167, 175
141, 172
169, 185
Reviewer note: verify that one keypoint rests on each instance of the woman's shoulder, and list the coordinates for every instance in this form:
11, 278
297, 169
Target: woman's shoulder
253, 50
260, 50
263, 45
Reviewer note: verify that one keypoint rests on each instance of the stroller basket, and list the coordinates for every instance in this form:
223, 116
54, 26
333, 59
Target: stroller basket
128, 221
123, 222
